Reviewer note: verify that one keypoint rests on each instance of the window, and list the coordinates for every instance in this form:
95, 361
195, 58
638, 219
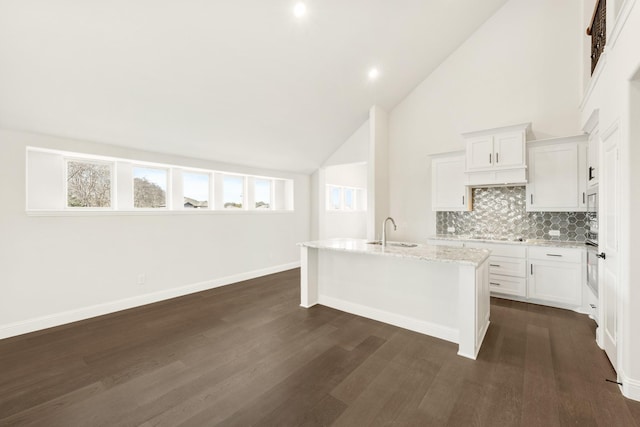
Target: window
149, 187
346, 198
88, 184
233, 191
263, 193
195, 188
66, 183
335, 198
349, 201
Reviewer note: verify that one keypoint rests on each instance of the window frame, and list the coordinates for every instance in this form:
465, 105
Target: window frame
210, 189
167, 191
112, 180
243, 196
271, 193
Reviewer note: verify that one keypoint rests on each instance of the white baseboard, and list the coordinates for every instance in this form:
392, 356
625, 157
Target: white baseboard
424, 327
57, 319
630, 387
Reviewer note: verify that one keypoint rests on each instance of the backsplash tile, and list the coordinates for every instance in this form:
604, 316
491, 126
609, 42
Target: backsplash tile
501, 211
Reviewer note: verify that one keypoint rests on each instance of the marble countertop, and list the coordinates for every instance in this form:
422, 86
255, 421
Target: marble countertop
433, 253
509, 241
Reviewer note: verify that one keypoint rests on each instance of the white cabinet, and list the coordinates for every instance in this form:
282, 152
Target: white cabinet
556, 276
448, 189
593, 168
507, 268
496, 156
547, 275
557, 175
480, 153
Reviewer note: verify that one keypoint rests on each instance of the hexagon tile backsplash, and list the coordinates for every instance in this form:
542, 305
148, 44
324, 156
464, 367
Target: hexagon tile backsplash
501, 212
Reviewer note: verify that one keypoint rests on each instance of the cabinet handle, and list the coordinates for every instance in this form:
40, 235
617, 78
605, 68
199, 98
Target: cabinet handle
592, 305
463, 200
494, 283
497, 157
489, 158
591, 169
554, 255
531, 198
583, 198
494, 265
532, 269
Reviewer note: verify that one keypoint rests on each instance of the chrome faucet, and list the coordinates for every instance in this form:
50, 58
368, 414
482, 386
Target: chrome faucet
384, 229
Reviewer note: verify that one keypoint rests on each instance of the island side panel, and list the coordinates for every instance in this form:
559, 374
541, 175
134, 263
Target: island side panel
308, 276
414, 294
474, 308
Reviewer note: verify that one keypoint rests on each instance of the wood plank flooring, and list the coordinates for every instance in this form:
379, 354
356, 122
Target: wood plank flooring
247, 354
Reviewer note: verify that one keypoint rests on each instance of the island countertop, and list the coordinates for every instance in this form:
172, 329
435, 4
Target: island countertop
468, 256
509, 241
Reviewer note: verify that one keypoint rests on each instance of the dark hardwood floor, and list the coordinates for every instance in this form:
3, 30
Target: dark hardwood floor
247, 354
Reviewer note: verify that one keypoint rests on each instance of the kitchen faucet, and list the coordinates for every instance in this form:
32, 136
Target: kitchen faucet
384, 229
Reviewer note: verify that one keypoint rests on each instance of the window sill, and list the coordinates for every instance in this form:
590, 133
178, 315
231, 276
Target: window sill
72, 213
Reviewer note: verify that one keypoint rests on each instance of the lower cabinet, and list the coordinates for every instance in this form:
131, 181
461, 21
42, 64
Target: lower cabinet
556, 275
507, 268
546, 275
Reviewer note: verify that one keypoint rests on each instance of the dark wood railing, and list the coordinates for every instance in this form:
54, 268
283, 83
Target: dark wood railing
598, 31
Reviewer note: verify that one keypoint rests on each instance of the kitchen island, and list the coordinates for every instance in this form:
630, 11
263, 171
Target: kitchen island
435, 290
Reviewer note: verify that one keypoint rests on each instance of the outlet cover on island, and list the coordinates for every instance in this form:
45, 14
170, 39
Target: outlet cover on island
451, 229
141, 279
554, 233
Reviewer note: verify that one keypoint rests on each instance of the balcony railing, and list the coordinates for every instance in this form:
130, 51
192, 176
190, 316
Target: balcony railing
598, 31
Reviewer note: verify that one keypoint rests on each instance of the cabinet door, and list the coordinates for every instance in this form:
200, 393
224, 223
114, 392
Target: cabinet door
594, 156
556, 282
554, 178
508, 150
480, 153
448, 191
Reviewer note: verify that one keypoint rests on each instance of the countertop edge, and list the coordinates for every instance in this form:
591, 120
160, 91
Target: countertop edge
401, 252
544, 243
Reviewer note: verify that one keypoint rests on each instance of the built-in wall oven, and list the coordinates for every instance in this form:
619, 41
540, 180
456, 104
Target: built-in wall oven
592, 217
592, 241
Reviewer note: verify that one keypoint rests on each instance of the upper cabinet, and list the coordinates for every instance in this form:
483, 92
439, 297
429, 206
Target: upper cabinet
594, 167
497, 156
593, 164
557, 175
448, 187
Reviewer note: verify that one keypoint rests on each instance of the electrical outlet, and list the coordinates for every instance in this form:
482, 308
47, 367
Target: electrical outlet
451, 229
141, 279
554, 233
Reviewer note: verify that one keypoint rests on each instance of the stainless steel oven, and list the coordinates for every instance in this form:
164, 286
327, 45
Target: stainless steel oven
592, 240
592, 217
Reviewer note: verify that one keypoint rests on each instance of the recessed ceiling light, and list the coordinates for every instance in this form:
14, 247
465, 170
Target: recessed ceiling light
299, 10
374, 73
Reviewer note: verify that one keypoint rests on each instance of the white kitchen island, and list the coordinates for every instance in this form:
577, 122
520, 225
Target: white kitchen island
439, 291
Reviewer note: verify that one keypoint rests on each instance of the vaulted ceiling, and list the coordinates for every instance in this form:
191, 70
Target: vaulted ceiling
239, 81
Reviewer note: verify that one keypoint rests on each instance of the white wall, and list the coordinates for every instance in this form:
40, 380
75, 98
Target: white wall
343, 223
378, 172
55, 269
614, 90
354, 150
522, 65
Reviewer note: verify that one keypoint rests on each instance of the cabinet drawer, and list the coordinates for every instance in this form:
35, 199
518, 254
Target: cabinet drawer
508, 285
507, 266
555, 254
515, 251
